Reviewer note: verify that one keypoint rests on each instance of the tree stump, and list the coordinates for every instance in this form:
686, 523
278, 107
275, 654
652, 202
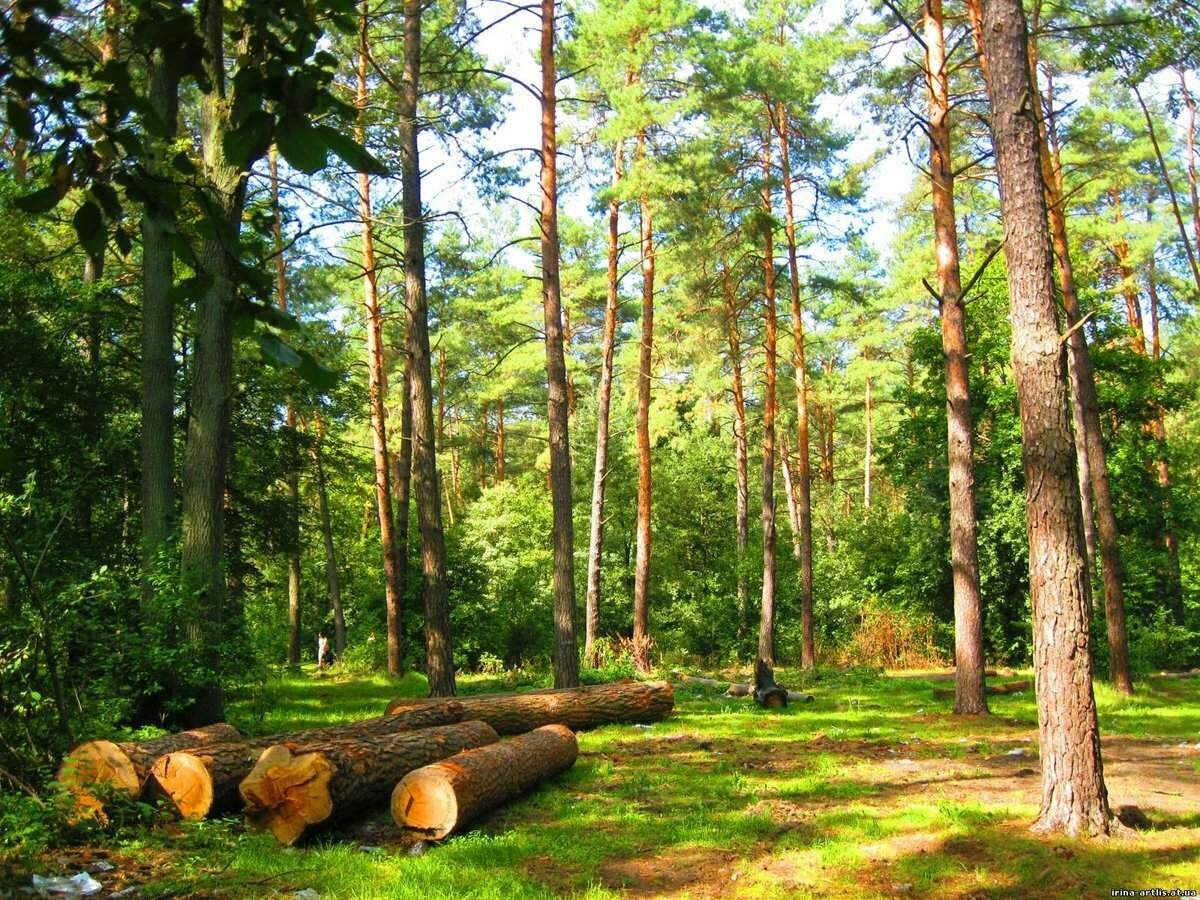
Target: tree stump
577, 708
203, 781
293, 788
441, 798
124, 767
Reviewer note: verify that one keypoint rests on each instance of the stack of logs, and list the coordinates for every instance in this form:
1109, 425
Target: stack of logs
443, 761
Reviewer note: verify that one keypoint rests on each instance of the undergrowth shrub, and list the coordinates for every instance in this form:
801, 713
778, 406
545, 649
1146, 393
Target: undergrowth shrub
891, 638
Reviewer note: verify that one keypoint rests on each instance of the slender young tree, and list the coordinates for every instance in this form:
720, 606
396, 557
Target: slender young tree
377, 377
439, 655
1074, 796
641, 568
566, 649
969, 690
157, 437
766, 628
603, 406
292, 478
741, 443
801, 485
333, 580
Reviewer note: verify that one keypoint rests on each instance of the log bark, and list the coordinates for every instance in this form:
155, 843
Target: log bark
583, 707
1010, 687
442, 798
293, 787
737, 689
203, 781
124, 767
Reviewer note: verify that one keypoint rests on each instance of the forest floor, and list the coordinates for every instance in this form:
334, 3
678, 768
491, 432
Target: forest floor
872, 790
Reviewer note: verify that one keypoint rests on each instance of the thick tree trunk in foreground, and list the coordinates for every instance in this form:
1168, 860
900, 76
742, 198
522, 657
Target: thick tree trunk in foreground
969, 695
1074, 797
293, 475
332, 578
203, 781
439, 654
801, 489
124, 767
566, 648
603, 406
766, 627
377, 381
645, 536
207, 450
157, 438
582, 707
741, 450
442, 798
1089, 440
292, 788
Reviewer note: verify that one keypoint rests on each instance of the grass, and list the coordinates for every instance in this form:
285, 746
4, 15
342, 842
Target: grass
870, 791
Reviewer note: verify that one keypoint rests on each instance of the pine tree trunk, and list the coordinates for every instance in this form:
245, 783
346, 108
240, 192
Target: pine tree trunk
500, 451
802, 483
1189, 102
1074, 797
603, 406
641, 565
442, 798
402, 481
969, 694
203, 781
566, 650
1089, 440
577, 708
332, 579
376, 368
868, 440
157, 438
293, 475
766, 628
741, 449
207, 449
295, 787
439, 655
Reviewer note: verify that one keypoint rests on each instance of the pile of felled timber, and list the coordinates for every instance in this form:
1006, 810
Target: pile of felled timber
440, 762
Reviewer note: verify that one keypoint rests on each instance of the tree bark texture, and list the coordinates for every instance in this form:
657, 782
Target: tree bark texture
203, 781
582, 707
1074, 797
741, 448
124, 767
603, 406
645, 534
293, 788
442, 798
439, 654
1089, 441
157, 438
766, 627
969, 695
802, 482
566, 648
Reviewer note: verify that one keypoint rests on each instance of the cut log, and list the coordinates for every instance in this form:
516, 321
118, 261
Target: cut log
439, 799
1011, 687
293, 788
577, 708
124, 767
203, 781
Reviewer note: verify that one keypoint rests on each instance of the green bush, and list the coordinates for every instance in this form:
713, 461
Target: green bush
1162, 645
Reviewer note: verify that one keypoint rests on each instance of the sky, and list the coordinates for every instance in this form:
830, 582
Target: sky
512, 46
